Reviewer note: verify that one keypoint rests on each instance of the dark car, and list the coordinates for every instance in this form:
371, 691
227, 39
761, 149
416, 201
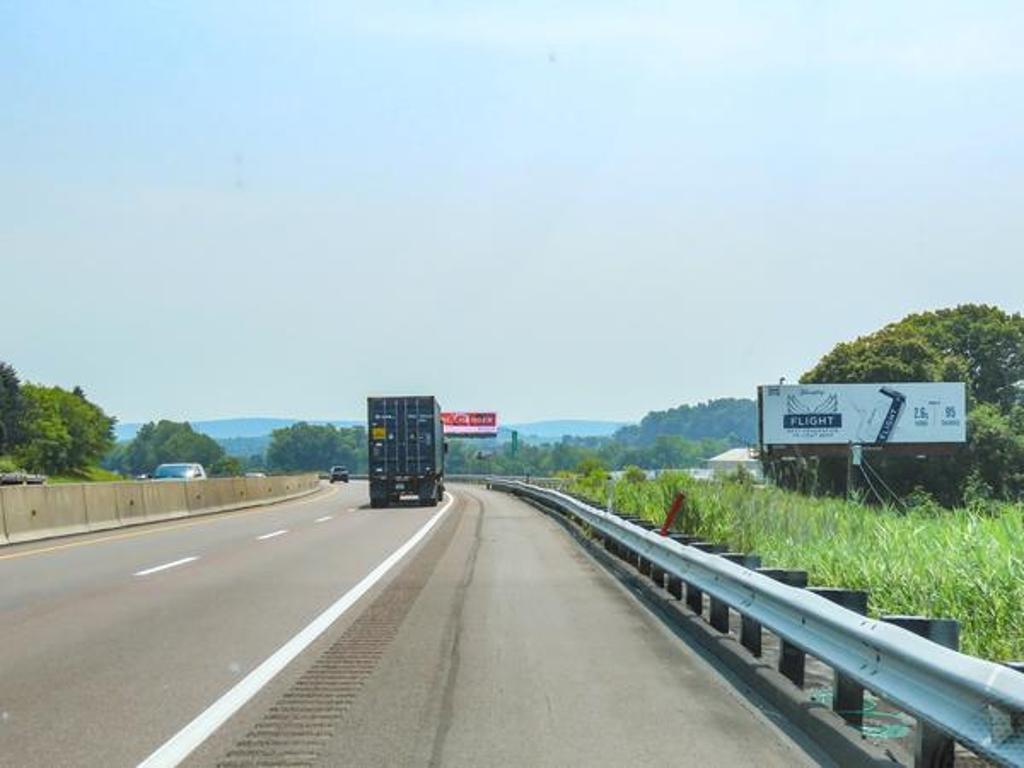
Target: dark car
339, 474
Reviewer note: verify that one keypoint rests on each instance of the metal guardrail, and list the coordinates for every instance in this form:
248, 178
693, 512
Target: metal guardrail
544, 482
978, 703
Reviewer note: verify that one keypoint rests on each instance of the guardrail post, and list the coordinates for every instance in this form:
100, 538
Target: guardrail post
643, 565
719, 612
657, 576
847, 694
630, 556
694, 597
609, 544
750, 635
791, 658
675, 587
932, 748
750, 630
675, 584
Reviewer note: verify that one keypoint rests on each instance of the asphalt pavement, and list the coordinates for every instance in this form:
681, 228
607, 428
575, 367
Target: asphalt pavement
321, 632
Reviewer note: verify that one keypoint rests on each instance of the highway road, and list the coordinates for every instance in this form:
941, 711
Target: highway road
477, 633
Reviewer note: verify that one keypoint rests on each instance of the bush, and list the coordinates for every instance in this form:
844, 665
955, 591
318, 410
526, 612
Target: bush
633, 474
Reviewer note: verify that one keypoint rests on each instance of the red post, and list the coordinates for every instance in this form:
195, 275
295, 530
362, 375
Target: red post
677, 504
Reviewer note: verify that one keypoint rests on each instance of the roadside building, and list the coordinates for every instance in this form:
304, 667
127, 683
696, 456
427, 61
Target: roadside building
733, 459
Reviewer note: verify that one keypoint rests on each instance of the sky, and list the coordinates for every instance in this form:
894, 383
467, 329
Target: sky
551, 209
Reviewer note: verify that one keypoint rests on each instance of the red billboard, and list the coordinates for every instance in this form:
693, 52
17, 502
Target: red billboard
470, 424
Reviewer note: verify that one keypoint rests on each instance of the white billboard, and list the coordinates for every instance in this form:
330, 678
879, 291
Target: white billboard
868, 414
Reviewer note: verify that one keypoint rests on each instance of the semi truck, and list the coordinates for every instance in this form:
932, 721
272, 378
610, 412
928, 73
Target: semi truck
406, 445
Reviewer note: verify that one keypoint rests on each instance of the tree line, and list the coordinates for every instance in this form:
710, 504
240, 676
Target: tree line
731, 419
301, 447
50, 429
308, 447
570, 454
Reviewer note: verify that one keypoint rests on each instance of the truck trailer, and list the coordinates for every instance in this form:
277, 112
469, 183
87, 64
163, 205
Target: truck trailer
406, 445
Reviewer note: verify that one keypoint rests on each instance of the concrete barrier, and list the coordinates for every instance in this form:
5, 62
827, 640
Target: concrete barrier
165, 500
214, 495
101, 511
40, 511
31, 512
241, 491
130, 507
258, 488
278, 486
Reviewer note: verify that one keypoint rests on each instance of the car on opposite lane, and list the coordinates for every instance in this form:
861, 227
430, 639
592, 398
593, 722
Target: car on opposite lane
179, 472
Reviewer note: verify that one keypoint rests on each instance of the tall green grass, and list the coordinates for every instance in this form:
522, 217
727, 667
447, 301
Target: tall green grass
90, 475
955, 564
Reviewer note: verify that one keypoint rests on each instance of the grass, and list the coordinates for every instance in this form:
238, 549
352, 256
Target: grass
954, 564
91, 475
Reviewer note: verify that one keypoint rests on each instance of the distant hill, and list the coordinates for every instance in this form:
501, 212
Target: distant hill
244, 447
227, 428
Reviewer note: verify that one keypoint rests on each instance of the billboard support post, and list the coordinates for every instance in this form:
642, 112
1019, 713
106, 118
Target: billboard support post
853, 459
849, 475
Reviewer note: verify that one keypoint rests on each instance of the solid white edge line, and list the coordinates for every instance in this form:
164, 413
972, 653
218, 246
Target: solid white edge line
165, 566
272, 534
324, 519
185, 741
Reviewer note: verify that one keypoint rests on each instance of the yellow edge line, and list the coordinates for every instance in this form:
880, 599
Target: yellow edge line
160, 528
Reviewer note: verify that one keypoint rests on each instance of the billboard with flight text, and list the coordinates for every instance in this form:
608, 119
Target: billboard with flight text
863, 414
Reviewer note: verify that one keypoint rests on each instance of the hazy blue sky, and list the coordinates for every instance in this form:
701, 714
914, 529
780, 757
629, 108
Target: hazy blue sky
576, 209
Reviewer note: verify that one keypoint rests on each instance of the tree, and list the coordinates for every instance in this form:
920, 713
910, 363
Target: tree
11, 407
62, 431
226, 466
895, 353
975, 343
305, 446
165, 442
987, 341
996, 451
47, 447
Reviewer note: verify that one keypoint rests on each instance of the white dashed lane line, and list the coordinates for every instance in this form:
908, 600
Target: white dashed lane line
324, 519
272, 534
165, 566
